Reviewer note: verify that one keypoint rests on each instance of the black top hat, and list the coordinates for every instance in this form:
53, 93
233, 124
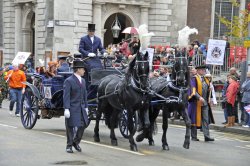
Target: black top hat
78, 64
201, 67
91, 27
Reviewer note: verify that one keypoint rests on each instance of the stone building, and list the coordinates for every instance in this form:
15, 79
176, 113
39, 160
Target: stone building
47, 28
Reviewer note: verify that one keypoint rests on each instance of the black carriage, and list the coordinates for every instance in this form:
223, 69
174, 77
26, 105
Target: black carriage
43, 98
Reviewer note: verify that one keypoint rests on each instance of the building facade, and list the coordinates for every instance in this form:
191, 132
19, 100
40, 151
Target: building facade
47, 28
50, 27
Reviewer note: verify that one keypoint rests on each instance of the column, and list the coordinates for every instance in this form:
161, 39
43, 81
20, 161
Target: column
212, 19
26, 39
36, 55
18, 24
144, 15
97, 18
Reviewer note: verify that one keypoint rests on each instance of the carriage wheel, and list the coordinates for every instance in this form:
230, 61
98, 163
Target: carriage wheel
29, 109
123, 123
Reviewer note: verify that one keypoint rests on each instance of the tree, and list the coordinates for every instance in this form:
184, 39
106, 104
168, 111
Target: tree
238, 26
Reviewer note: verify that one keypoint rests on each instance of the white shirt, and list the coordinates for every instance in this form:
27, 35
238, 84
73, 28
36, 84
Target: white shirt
92, 39
78, 77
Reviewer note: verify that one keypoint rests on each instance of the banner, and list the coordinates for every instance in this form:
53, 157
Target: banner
216, 52
21, 57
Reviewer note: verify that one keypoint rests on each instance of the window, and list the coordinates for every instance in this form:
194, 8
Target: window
226, 9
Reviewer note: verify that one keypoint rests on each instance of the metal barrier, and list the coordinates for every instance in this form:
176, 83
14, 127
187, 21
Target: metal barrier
233, 58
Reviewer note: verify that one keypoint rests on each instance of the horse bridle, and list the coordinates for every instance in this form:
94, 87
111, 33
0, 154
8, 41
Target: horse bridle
137, 81
180, 71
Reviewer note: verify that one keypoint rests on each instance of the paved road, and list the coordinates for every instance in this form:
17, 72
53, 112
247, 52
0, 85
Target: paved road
45, 145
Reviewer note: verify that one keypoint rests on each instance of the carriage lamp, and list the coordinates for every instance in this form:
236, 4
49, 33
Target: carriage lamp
116, 27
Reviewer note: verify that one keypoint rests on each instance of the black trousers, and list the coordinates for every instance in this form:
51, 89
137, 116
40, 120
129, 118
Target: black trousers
230, 110
74, 134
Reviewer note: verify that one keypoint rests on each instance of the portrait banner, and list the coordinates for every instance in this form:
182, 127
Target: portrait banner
215, 52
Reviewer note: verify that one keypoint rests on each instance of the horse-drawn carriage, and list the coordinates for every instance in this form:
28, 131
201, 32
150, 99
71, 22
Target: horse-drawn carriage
119, 95
43, 98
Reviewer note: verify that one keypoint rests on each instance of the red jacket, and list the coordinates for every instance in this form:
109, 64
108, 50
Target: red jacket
232, 91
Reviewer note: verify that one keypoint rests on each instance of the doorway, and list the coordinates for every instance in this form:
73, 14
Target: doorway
124, 20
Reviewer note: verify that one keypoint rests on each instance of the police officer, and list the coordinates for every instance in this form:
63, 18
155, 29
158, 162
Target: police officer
63, 65
3, 87
75, 105
89, 46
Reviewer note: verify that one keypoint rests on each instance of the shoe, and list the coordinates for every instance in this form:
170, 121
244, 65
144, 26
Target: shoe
245, 126
195, 139
69, 150
77, 147
18, 115
224, 122
10, 112
208, 139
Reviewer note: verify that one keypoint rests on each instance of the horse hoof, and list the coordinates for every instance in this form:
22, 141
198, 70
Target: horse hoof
114, 143
133, 148
186, 146
96, 139
139, 138
165, 147
151, 143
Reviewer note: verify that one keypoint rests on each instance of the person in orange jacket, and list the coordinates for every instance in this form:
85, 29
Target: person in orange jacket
15, 79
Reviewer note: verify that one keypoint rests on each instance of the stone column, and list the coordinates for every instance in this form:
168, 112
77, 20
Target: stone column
26, 39
144, 15
97, 18
36, 56
212, 19
18, 24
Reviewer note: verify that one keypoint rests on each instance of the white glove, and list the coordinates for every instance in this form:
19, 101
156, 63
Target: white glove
87, 110
105, 54
66, 113
91, 55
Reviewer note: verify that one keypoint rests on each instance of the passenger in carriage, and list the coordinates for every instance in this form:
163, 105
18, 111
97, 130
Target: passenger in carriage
63, 65
52, 71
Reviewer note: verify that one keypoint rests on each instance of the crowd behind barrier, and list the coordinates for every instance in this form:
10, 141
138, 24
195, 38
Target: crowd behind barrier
163, 59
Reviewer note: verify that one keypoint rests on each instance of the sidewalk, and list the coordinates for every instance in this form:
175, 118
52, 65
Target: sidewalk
219, 118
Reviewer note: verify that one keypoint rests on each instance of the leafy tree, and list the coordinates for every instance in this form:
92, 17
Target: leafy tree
238, 26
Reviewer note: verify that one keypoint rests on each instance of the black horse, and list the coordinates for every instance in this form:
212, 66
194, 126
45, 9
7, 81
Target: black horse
173, 96
130, 92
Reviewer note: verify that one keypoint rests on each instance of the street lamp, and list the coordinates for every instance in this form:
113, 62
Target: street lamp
116, 27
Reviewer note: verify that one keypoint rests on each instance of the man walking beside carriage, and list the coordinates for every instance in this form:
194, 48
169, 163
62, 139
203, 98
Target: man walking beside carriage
15, 79
75, 105
198, 106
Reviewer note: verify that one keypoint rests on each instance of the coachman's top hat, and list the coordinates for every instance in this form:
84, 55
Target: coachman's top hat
91, 27
78, 64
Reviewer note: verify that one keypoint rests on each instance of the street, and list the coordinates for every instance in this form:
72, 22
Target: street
45, 145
